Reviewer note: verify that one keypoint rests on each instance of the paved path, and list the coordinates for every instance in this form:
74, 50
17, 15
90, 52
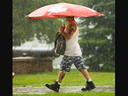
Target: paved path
63, 89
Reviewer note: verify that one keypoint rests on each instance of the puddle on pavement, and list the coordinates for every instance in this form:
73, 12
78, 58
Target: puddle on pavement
63, 89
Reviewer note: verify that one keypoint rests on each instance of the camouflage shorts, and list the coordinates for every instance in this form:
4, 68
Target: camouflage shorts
67, 62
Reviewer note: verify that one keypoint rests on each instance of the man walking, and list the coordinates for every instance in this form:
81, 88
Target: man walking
72, 55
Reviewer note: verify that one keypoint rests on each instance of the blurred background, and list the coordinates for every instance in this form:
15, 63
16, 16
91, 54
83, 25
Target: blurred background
35, 38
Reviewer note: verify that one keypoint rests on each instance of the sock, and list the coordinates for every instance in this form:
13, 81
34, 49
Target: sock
59, 83
89, 80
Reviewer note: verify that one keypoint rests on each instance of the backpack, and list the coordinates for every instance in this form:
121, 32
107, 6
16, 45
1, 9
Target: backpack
59, 45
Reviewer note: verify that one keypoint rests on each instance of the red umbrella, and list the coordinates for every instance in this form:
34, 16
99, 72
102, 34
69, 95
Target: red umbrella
62, 10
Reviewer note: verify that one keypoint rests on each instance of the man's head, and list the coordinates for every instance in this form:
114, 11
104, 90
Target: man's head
69, 18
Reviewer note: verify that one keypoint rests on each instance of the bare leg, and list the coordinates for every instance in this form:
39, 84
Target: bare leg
85, 73
61, 76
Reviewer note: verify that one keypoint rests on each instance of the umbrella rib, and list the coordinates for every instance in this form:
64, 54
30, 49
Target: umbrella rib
35, 15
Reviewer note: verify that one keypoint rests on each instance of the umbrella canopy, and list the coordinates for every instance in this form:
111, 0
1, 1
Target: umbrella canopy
63, 10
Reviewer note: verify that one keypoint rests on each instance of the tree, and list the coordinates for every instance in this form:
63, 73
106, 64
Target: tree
24, 29
98, 36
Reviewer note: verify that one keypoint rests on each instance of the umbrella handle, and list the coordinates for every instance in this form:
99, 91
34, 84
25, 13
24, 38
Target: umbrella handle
63, 22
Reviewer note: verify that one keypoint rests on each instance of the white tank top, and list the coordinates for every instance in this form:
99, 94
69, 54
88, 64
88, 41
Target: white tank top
72, 46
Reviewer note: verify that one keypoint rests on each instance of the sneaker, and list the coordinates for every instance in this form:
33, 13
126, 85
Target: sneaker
89, 85
54, 87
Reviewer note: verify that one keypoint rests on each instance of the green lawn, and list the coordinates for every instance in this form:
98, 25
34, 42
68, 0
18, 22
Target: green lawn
73, 78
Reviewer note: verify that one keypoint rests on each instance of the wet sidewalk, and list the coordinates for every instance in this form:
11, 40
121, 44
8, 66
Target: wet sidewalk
63, 89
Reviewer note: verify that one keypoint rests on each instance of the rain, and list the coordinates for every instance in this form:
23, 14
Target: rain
33, 46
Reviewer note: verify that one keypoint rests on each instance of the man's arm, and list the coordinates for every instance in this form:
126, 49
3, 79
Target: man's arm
68, 31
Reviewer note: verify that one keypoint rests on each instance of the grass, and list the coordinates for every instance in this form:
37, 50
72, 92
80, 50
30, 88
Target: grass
71, 94
73, 78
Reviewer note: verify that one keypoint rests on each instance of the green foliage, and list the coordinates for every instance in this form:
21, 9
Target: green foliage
24, 29
98, 36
